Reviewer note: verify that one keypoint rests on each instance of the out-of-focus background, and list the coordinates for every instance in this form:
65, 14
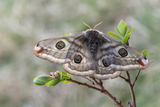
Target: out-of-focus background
25, 22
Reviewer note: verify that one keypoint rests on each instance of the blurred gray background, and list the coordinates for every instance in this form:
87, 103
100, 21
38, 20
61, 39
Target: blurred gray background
25, 22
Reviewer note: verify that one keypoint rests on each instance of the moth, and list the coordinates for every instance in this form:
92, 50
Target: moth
91, 53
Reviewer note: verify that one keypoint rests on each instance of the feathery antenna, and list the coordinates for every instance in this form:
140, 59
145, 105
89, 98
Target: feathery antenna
87, 25
94, 26
97, 25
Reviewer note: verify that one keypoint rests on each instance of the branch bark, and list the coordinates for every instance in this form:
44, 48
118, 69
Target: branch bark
131, 90
136, 78
102, 90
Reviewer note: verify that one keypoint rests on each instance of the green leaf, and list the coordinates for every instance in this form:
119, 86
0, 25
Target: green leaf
70, 75
115, 35
118, 31
68, 34
125, 39
63, 75
130, 30
65, 81
44, 78
41, 80
65, 34
122, 28
38, 83
145, 52
53, 82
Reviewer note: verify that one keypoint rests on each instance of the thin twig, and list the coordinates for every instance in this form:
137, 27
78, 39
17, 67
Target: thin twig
136, 78
131, 90
104, 91
95, 81
128, 80
129, 104
101, 83
98, 83
123, 77
90, 80
128, 75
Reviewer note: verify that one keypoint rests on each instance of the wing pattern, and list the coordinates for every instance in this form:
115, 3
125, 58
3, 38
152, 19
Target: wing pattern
82, 55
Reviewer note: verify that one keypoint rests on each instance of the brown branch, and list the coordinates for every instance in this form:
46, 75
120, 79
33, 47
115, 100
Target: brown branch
131, 90
123, 77
129, 104
100, 84
136, 78
131, 85
102, 90
90, 80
